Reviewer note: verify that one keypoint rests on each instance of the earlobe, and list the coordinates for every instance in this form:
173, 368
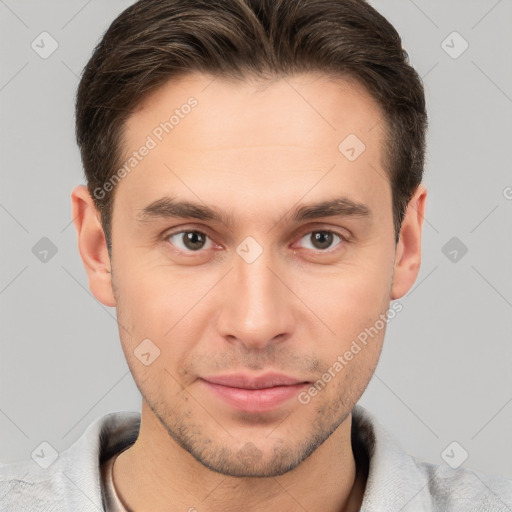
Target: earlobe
92, 245
408, 250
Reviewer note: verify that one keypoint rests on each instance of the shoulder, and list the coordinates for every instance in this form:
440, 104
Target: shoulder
398, 481
25, 487
69, 480
466, 489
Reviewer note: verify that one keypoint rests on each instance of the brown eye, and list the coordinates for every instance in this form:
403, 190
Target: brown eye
189, 240
321, 240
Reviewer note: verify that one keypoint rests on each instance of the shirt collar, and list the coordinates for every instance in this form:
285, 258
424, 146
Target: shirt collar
395, 482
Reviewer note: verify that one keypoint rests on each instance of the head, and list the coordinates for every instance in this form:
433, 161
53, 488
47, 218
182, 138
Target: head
253, 204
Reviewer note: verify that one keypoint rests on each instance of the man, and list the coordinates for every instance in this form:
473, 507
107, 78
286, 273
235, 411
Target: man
254, 203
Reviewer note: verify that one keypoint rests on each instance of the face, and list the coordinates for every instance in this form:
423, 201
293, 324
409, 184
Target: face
248, 301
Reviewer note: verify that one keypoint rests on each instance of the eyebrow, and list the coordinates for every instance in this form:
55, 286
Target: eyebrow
169, 207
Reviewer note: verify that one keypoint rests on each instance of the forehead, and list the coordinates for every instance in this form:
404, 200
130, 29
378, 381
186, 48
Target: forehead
254, 139
254, 111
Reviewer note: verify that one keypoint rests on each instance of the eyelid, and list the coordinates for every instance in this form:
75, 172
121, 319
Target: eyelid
337, 230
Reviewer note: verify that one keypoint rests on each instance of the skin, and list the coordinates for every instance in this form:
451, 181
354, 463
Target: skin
254, 151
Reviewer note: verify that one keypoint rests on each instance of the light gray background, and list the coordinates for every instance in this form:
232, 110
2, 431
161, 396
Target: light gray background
445, 372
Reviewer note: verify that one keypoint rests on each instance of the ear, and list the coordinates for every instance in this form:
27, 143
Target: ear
92, 245
408, 249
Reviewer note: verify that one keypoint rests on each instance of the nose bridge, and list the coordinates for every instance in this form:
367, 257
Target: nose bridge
256, 310
257, 283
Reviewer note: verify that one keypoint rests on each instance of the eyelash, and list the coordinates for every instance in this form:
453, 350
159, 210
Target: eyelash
343, 239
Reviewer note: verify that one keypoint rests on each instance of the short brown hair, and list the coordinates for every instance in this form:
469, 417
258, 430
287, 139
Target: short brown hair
153, 41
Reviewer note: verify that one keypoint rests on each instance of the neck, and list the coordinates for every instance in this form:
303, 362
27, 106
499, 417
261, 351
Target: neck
155, 472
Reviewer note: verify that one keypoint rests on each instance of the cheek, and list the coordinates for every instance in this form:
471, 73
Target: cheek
158, 298
350, 298
350, 304
161, 306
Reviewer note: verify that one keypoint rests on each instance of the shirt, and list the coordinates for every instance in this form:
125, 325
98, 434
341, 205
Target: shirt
396, 480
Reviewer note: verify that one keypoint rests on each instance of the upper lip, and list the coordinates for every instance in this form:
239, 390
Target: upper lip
245, 381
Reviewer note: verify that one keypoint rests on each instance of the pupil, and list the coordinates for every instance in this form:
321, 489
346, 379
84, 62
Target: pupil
193, 240
324, 239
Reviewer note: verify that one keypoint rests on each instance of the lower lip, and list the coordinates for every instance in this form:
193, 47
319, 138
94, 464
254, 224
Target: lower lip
255, 400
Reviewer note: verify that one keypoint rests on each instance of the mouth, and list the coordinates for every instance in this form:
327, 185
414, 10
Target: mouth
255, 394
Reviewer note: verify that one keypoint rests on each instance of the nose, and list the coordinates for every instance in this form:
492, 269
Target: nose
258, 305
